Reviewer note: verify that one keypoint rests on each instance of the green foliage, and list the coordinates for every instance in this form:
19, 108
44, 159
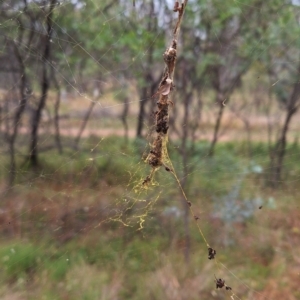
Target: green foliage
105, 161
58, 267
258, 271
215, 36
95, 29
20, 260
111, 255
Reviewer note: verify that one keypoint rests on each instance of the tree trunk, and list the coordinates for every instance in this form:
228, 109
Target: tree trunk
56, 115
220, 99
278, 154
124, 118
33, 151
147, 91
279, 151
24, 99
148, 79
141, 116
83, 125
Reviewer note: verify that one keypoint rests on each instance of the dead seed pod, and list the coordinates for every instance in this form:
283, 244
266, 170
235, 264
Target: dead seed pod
170, 56
172, 51
166, 87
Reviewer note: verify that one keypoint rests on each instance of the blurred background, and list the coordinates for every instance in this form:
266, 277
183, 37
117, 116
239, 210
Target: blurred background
78, 83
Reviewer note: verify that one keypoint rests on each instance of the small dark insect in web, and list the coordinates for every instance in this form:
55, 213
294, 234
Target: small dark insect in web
211, 253
219, 283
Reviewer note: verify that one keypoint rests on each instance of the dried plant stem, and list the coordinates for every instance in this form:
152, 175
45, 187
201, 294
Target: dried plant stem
156, 156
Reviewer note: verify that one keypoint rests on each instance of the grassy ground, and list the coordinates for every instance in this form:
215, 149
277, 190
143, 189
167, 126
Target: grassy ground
63, 234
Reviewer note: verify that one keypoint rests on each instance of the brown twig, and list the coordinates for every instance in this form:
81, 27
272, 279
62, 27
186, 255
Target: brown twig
155, 157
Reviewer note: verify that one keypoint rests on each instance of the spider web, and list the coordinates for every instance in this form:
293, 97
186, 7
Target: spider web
83, 225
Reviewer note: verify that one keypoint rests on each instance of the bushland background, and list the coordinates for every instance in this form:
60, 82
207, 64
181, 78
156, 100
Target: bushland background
77, 106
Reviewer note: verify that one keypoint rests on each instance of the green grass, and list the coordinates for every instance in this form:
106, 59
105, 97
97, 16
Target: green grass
88, 257
21, 259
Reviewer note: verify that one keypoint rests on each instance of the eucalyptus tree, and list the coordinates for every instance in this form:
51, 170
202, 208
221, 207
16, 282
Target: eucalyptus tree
108, 40
233, 36
280, 57
46, 38
25, 33
149, 25
228, 40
